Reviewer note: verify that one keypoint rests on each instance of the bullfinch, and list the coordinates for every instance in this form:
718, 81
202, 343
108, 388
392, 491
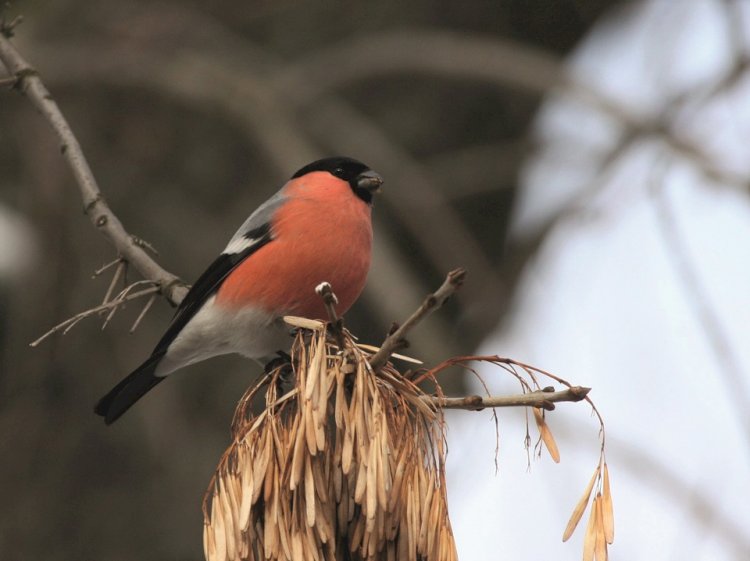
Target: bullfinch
316, 228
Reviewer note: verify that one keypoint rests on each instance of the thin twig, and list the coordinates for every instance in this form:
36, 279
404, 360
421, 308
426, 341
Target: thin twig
145, 310
120, 298
541, 398
7, 28
434, 301
95, 207
330, 301
140, 242
70, 322
119, 271
103, 268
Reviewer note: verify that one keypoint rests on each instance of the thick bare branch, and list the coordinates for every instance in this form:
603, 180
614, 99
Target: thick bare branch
130, 248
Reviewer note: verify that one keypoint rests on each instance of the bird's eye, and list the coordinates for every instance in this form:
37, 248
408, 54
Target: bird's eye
338, 172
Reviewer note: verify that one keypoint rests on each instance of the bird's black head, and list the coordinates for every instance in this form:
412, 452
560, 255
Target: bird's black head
363, 181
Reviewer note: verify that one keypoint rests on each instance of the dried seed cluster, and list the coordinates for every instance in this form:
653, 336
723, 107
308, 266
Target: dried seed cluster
347, 465
600, 529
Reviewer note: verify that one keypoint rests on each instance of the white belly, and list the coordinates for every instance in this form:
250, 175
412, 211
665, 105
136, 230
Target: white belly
216, 330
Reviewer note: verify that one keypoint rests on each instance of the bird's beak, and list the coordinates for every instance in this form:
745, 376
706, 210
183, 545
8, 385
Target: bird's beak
370, 181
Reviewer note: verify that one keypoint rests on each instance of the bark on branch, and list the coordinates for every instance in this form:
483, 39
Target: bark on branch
397, 339
27, 81
542, 398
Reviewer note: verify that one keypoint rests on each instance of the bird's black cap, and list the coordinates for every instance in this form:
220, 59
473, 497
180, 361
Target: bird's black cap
363, 180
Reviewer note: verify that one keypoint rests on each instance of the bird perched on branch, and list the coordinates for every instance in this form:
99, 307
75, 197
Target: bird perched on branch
316, 228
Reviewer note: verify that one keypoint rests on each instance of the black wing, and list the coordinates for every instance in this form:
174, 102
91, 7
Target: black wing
209, 282
143, 378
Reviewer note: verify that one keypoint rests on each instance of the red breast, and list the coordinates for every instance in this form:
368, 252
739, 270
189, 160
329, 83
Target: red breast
323, 232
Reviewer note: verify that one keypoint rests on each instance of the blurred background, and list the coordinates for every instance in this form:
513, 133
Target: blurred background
585, 160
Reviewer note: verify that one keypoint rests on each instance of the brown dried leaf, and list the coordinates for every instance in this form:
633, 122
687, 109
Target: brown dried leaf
413, 513
373, 349
220, 536
304, 323
359, 532
361, 486
384, 473
361, 481
270, 477
435, 527
298, 455
321, 485
320, 433
600, 548
259, 473
398, 479
313, 547
207, 538
314, 369
403, 545
608, 516
309, 423
546, 435
589, 540
284, 536
348, 450
580, 507
246, 465
229, 513
426, 498
271, 540
324, 525
297, 546
309, 493
340, 403
372, 484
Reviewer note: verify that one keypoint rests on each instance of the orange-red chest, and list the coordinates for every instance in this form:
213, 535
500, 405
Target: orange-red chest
322, 233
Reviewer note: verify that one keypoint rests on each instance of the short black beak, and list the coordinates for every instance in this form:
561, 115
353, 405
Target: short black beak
370, 181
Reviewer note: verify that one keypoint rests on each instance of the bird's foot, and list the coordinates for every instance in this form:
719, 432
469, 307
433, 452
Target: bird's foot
283, 362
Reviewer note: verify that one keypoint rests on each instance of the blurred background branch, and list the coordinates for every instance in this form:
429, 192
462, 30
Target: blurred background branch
502, 149
95, 207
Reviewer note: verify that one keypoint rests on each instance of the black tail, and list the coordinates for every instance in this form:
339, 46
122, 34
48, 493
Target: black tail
129, 390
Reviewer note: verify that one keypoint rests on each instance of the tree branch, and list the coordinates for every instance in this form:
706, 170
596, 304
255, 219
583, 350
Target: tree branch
336, 323
130, 248
544, 399
111, 306
397, 339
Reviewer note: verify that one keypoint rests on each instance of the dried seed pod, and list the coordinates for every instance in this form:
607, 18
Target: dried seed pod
546, 435
580, 507
346, 461
600, 547
608, 516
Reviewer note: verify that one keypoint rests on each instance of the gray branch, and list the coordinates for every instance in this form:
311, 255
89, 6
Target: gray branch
130, 248
541, 398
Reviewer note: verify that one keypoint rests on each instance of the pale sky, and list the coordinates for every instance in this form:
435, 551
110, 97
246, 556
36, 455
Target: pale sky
608, 303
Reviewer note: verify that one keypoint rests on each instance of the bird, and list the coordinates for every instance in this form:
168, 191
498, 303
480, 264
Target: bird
316, 228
